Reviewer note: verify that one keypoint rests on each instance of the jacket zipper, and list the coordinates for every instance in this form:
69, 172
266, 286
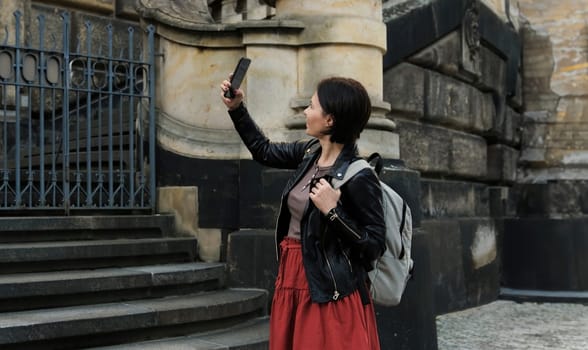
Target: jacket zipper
335, 292
276, 247
334, 217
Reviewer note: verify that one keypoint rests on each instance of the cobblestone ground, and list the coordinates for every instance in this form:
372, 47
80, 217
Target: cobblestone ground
507, 325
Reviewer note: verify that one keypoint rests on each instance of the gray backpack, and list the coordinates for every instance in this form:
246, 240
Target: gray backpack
394, 268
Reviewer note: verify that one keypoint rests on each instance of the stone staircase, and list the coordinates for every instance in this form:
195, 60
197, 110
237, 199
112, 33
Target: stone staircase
118, 282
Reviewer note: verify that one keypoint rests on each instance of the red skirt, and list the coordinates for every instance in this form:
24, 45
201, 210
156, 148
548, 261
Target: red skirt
296, 323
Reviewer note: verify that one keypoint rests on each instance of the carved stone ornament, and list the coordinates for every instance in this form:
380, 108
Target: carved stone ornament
471, 23
177, 13
471, 38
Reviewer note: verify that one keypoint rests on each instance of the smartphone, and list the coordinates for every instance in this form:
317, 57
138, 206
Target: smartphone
238, 76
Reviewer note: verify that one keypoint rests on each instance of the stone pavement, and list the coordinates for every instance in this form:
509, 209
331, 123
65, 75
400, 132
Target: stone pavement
508, 325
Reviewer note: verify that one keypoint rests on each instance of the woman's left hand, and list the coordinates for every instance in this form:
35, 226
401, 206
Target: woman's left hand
324, 196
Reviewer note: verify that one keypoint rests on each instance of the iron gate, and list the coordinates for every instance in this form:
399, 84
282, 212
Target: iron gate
77, 123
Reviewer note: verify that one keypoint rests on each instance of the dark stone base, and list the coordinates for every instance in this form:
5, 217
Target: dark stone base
249, 193
457, 280
251, 260
562, 198
410, 325
546, 254
217, 182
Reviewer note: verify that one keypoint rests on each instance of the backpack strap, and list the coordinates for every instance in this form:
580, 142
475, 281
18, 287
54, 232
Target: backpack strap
402, 228
379, 162
357, 166
352, 170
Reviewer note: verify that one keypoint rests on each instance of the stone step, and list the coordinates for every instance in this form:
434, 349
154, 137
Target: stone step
112, 323
27, 291
65, 255
58, 228
250, 335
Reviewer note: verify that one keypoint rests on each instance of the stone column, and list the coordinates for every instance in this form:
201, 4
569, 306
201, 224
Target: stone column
346, 38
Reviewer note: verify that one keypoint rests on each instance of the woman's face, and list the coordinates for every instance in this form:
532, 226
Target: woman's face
316, 120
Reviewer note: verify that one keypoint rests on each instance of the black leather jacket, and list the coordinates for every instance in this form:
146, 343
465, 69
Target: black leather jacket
337, 248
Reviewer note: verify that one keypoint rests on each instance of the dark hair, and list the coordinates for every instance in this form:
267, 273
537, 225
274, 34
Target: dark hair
349, 103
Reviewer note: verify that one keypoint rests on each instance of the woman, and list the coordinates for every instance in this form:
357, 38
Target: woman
326, 238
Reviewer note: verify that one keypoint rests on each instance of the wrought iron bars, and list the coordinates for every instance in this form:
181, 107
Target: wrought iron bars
74, 121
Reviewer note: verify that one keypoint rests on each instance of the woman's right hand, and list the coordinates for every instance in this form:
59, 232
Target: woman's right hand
234, 102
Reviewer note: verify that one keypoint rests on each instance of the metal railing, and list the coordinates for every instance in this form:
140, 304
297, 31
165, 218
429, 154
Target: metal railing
77, 125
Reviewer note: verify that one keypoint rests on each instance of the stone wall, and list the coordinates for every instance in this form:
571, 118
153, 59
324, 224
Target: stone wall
551, 189
458, 110
556, 69
500, 140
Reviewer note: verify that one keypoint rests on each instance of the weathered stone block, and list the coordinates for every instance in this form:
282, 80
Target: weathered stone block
126, 9
502, 163
556, 198
457, 104
444, 55
468, 155
404, 90
509, 128
449, 101
8, 21
538, 63
493, 69
182, 202
516, 100
8, 36
229, 13
502, 201
258, 10
384, 142
443, 198
126, 40
533, 141
427, 148
483, 111
424, 148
